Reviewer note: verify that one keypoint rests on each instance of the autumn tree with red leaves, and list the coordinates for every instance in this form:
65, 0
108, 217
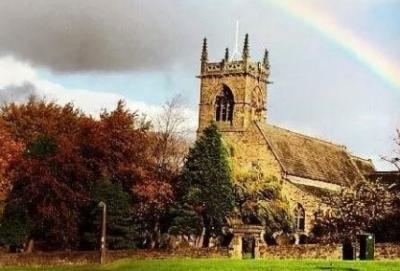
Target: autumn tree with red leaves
50, 179
65, 152
9, 151
126, 147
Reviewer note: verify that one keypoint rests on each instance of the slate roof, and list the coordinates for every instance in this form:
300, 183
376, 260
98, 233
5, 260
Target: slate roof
310, 157
364, 166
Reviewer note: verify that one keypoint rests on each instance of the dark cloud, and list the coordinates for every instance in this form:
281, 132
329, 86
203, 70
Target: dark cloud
17, 93
104, 35
91, 35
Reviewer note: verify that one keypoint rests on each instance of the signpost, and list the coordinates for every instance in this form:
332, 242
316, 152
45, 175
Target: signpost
103, 233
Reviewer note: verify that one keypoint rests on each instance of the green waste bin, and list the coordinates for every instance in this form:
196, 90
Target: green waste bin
367, 246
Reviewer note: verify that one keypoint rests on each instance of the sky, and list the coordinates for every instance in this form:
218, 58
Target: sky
335, 64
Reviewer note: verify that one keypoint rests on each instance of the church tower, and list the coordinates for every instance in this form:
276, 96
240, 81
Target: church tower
233, 92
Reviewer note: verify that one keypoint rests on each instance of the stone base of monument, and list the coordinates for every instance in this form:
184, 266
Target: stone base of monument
246, 241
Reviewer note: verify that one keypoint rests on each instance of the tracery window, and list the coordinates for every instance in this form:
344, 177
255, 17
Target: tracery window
224, 104
299, 217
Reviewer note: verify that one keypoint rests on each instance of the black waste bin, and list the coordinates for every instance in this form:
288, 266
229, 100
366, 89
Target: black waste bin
348, 250
367, 246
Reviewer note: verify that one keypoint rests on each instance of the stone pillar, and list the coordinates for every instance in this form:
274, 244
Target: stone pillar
296, 239
236, 247
257, 244
239, 231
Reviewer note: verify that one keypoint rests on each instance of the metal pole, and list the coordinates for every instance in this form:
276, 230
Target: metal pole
103, 233
236, 48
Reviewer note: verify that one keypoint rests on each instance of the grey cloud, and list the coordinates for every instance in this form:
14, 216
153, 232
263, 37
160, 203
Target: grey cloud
103, 35
17, 93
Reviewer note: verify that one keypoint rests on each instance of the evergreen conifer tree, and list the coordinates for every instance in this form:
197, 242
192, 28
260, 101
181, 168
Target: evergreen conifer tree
206, 181
121, 231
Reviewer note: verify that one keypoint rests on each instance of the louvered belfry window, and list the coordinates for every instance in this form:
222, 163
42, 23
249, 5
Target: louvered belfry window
224, 105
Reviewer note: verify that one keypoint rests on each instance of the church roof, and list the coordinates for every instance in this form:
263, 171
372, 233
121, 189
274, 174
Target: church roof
310, 157
366, 167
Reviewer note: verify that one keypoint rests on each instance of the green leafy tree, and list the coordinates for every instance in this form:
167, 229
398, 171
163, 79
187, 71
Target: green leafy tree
206, 182
120, 227
259, 201
15, 228
387, 229
353, 212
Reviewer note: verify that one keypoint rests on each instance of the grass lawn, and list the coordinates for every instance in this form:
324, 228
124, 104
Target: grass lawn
228, 265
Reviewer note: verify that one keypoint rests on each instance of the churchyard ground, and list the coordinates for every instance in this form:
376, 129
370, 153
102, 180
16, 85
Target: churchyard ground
226, 265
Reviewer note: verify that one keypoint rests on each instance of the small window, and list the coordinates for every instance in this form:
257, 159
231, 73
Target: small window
328, 213
299, 218
231, 151
224, 105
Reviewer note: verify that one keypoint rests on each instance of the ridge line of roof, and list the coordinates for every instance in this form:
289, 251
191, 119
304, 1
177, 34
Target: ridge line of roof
361, 158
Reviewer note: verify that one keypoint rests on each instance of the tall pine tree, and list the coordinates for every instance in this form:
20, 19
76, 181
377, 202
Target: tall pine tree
206, 182
121, 230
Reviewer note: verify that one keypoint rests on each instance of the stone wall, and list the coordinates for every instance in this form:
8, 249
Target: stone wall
317, 251
249, 149
89, 257
387, 251
310, 251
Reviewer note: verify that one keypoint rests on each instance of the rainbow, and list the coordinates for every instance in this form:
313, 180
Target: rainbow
359, 49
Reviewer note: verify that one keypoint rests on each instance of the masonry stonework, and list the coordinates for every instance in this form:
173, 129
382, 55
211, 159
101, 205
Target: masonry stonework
312, 251
233, 94
311, 204
247, 150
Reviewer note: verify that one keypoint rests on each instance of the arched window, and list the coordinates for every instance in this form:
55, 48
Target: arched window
328, 213
224, 104
299, 217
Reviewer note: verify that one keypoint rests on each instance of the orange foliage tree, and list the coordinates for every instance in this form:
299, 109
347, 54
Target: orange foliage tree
9, 151
65, 152
50, 179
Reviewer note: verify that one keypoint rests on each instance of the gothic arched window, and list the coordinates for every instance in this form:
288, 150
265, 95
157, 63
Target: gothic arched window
224, 104
299, 217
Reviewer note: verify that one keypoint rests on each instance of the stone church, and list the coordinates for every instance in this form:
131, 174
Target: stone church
233, 94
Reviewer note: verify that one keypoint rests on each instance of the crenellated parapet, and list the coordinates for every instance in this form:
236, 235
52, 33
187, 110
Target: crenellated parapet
244, 66
237, 67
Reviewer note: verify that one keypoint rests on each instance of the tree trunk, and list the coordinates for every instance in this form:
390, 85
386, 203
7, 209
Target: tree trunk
200, 238
29, 246
207, 236
155, 243
206, 230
